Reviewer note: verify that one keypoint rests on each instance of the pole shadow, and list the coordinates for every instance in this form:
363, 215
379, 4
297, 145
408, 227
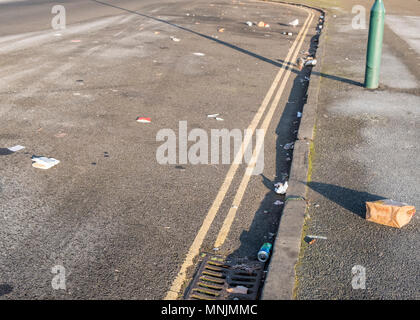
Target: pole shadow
351, 200
277, 63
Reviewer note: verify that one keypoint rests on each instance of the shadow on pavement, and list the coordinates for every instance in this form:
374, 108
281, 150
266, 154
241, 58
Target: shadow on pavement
349, 199
5, 152
267, 217
5, 289
227, 44
279, 63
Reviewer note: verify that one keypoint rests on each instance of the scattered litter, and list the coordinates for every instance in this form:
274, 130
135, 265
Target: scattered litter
60, 135
249, 23
76, 94
76, 40
287, 33
317, 237
299, 114
389, 212
44, 162
288, 159
221, 29
199, 54
247, 268
266, 211
262, 24
310, 63
300, 63
278, 203
157, 32
316, 206
312, 241
216, 249
238, 289
175, 39
288, 146
143, 120
215, 116
57, 34
294, 23
16, 148
264, 252
280, 188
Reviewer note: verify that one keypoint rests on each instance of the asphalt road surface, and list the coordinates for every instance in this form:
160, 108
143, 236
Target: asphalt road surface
122, 225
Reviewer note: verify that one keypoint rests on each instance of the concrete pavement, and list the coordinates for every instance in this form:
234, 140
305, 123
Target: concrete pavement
365, 148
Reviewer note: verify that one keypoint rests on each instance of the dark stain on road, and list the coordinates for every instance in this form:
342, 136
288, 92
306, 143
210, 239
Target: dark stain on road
5, 289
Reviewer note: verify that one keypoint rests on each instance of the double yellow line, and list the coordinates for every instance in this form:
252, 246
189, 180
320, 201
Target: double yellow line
194, 250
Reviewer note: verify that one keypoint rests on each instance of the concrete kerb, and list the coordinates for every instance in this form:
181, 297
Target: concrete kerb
280, 281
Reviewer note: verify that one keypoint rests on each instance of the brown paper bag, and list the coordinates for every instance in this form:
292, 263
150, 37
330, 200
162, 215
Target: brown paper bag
389, 212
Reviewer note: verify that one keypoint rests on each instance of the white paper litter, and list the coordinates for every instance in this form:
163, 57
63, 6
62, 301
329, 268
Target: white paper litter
238, 289
278, 203
310, 63
214, 115
317, 237
294, 23
16, 148
299, 114
175, 39
199, 54
280, 188
44, 162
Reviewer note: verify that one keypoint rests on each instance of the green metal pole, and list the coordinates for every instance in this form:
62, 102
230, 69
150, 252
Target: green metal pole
374, 48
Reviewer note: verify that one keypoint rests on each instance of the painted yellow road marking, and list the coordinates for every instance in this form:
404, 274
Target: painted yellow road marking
221, 237
194, 250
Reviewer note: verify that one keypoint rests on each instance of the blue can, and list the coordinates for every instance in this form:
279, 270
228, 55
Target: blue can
264, 252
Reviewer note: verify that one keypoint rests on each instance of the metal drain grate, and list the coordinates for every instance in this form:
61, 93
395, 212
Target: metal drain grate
216, 275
